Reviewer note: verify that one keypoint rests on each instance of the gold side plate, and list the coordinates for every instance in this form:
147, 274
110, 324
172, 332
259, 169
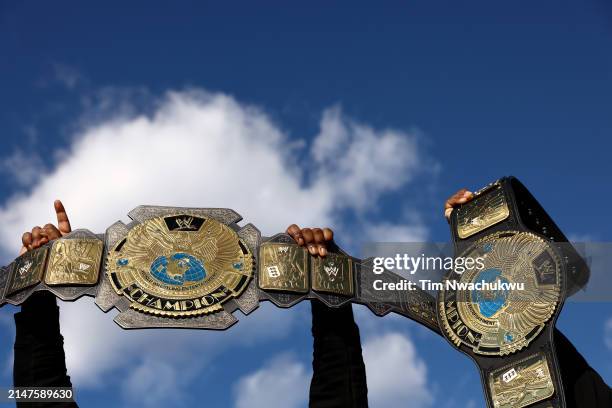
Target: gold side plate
481, 213
521, 384
74, 262
333, 274
283, 267
28, 270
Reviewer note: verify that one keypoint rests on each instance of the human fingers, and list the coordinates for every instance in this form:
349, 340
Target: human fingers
52, 232
63, 223
38, 237
460, 197
296, 233
26, 241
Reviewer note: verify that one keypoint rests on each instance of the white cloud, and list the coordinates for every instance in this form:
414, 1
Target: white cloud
359, 163
96, 346
196, 150
281, 383
390, 232
396, 374
202, 150
396, 377
153, 383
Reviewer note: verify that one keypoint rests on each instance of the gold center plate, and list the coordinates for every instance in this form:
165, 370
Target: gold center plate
180, 265
502, 321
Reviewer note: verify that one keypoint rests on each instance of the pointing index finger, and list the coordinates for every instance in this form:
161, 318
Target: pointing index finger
63, 224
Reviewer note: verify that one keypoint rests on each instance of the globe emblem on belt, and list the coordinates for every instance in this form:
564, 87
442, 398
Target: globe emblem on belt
178, 269
488, 315
490, 302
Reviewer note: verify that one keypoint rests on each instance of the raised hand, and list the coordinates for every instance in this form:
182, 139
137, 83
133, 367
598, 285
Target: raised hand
315, 239
40, 236
460, 197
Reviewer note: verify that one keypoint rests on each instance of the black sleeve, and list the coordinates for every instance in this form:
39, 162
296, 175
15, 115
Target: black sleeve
583, 386
39, 348
339, 378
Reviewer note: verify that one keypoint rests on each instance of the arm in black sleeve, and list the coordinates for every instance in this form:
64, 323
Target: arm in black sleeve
583, 386
339, 378
39, 348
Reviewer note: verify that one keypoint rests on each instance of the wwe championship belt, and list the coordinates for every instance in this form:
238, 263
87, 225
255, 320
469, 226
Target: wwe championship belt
507, 325
192, 268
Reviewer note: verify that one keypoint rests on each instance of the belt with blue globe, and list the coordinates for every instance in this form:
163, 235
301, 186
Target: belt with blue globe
502, 312
194, 267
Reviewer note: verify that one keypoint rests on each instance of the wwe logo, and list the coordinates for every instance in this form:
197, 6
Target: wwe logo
283, 250
25, 268
273, 271
477, 221
84, 266
331, 270
185, 223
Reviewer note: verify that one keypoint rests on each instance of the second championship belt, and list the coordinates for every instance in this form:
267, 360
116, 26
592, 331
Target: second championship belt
513, 270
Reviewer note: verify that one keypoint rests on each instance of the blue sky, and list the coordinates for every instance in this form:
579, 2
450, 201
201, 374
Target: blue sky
463, 93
